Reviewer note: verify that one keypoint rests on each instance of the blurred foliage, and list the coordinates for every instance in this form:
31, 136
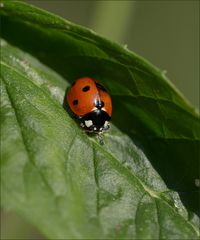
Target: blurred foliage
165, 32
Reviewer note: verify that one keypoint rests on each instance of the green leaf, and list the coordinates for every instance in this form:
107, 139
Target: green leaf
63, 181
66, 183
154, 113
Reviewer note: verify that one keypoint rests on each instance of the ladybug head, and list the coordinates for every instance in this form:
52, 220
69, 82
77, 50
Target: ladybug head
96, 121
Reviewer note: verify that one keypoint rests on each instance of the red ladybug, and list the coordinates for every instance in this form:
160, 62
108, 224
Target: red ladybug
91, 103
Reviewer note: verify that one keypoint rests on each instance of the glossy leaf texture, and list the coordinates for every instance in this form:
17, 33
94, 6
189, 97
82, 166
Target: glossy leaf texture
54, 175
67, 184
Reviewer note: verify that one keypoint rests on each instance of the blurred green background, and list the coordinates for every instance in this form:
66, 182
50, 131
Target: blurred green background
164, 32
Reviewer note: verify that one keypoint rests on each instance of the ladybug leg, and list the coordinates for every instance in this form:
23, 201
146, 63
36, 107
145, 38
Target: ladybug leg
81, 121
82, 125
100, 138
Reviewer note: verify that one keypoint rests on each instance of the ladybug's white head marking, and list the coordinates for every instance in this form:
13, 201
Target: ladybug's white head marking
106, 125
88, 123
95, 121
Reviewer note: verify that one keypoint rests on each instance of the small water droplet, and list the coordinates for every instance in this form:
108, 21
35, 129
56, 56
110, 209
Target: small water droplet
164, 73
125, 46
197, 182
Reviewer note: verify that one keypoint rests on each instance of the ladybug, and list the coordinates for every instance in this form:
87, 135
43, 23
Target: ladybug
90, 102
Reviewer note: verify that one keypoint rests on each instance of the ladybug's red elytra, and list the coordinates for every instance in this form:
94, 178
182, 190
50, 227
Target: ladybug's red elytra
91, 103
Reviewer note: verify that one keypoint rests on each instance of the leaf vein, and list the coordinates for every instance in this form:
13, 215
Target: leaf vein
24, 138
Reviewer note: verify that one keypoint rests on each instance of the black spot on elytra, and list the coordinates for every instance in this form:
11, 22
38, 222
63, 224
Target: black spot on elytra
100, 86
86, 88
75, 102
